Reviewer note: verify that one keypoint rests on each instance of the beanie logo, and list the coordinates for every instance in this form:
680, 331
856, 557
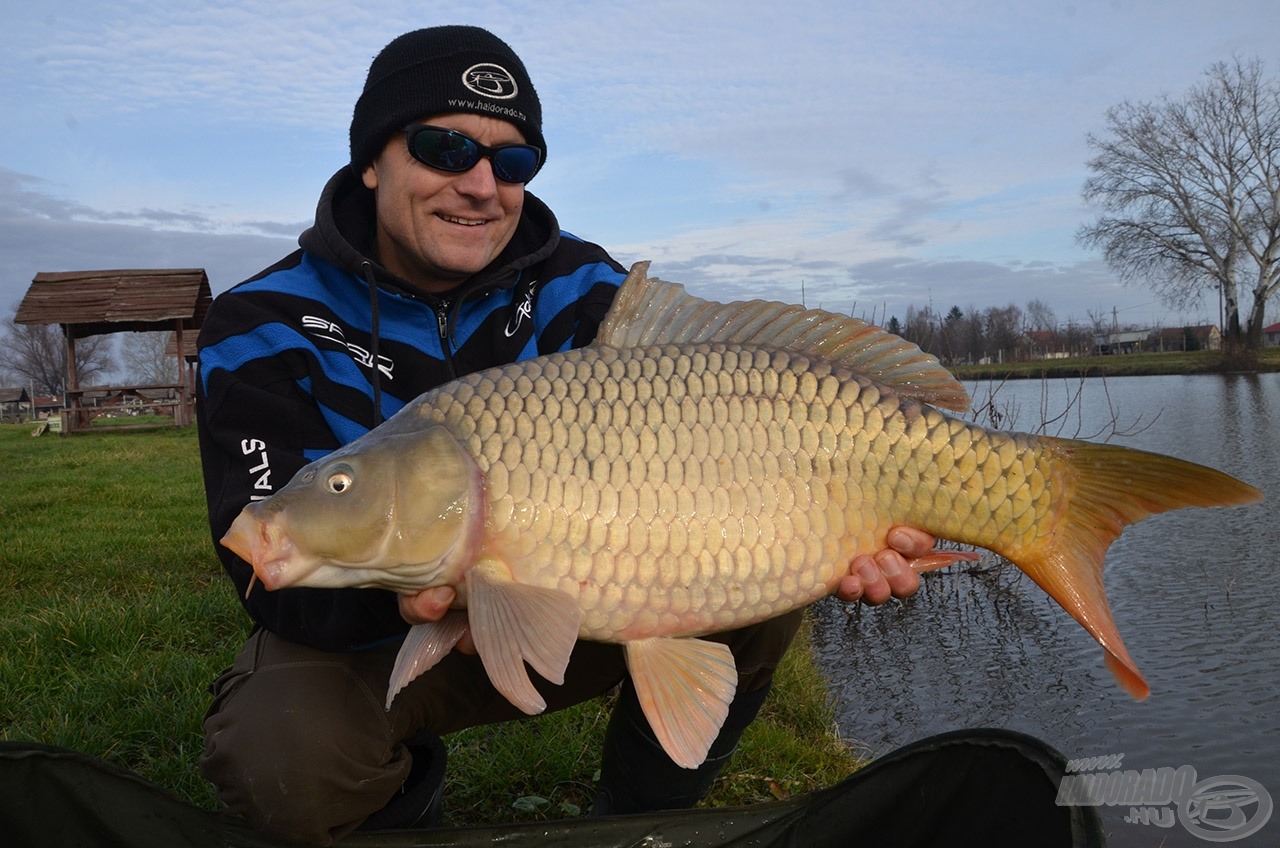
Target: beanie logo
490, 80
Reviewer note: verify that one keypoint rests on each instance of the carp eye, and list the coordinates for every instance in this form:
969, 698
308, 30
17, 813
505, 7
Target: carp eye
338, 483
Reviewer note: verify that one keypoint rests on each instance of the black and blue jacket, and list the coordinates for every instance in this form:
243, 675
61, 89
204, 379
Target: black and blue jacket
287, 370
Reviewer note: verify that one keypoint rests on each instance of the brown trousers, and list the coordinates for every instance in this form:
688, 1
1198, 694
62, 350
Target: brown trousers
297, 741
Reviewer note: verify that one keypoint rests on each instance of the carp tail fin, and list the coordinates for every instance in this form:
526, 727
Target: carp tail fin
1109, 487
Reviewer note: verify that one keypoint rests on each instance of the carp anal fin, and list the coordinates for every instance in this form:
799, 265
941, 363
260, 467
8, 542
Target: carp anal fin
513, 623
685, 687
648, 311
423, 647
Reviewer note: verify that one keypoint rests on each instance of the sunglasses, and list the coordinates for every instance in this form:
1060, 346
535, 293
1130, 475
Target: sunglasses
450, 150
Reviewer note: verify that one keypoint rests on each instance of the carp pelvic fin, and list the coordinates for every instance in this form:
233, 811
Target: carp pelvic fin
685, 687
423, 647
513, 623
649, 311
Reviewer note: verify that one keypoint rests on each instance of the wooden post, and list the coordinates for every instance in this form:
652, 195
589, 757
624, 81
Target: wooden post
181, 415
76, 421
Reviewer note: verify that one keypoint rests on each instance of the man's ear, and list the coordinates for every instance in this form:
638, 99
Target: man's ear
370, 176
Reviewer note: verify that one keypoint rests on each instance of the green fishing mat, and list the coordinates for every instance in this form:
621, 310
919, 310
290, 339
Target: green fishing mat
973, 787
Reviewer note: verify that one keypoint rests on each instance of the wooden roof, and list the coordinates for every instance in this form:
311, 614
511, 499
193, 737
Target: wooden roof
97, 302
12, 395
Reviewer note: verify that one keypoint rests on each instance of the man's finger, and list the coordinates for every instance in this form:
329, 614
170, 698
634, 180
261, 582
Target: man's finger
910, 542
427, 605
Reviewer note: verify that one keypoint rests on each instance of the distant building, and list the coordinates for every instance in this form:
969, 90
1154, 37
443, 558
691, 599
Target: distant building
1202, 337
1120, 341
1271, 336
1043, 344
14, 403
47, 405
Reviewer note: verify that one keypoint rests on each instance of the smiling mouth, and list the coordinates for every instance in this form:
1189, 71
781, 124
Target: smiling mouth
466, 222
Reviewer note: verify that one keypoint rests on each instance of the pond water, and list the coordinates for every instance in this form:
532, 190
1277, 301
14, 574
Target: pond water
1194, 593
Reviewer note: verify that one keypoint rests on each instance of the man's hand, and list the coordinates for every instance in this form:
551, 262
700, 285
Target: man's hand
427, 605
431, 605
890, 573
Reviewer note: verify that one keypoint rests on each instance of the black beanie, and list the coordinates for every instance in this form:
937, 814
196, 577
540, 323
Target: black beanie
437, 70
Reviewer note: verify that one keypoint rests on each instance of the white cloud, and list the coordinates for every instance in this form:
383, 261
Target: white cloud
875, 150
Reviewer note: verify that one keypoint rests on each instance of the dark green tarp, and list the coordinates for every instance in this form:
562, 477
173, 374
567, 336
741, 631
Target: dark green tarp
977, 787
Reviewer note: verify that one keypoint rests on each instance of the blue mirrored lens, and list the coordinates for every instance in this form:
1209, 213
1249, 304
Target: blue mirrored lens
452, 151
515, 164
448, 151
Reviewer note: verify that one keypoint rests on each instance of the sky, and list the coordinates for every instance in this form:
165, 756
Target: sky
862, 157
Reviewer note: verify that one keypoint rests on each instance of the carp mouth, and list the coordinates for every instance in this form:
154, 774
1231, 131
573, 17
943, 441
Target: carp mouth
268, 548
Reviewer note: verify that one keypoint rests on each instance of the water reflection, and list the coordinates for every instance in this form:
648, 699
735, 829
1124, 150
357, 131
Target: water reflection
1194, 594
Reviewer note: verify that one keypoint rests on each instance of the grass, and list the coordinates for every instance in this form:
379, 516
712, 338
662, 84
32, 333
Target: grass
1120, 365
115, 616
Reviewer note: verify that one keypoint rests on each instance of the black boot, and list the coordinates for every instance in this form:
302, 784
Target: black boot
419, 802
637, 776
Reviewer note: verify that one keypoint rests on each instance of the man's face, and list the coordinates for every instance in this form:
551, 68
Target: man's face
435, 228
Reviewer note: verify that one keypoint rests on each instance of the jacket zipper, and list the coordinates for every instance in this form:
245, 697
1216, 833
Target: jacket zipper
441, 308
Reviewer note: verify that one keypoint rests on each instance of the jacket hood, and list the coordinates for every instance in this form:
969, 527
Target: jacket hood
343, 235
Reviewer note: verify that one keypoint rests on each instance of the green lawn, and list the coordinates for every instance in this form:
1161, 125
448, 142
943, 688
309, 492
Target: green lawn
115, 615
1119, 365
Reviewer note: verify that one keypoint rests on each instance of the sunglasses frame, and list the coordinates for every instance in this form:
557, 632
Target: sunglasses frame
484, 151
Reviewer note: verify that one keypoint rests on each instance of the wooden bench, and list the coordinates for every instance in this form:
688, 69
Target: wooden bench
78, 417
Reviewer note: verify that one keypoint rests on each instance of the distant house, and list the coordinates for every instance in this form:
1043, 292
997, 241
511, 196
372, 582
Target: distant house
1202, 337
47, 405
1120, 341
14, 403
1271, 336
1044, 344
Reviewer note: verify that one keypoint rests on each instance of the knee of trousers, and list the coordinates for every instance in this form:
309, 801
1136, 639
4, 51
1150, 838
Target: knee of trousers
759, 648
303, 751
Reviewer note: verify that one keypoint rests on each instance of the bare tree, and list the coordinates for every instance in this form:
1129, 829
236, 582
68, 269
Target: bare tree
1077, 338
1191, 193
1004, 330
1039, 316
145, 361
954, 337
37, 353
921, 327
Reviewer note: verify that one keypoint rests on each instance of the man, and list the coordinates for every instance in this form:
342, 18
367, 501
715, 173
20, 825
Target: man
428, 259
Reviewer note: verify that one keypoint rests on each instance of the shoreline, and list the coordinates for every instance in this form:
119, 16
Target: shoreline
1115, 365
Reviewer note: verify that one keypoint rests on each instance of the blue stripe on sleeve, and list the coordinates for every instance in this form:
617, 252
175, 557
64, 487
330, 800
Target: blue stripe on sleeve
262, 342
268, 340
343, 428
560, 293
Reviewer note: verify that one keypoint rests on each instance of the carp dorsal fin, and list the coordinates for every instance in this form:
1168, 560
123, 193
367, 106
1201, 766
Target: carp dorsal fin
649, 311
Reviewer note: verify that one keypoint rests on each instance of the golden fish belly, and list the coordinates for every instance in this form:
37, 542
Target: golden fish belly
693, 489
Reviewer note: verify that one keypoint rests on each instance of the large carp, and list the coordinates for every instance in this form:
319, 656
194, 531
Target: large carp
700, 467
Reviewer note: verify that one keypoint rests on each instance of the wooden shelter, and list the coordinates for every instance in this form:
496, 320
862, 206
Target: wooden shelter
14, 402
90, 303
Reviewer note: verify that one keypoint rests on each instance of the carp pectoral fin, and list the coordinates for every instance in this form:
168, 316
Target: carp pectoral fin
685, 687
938, 558
424, 646
513, 623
